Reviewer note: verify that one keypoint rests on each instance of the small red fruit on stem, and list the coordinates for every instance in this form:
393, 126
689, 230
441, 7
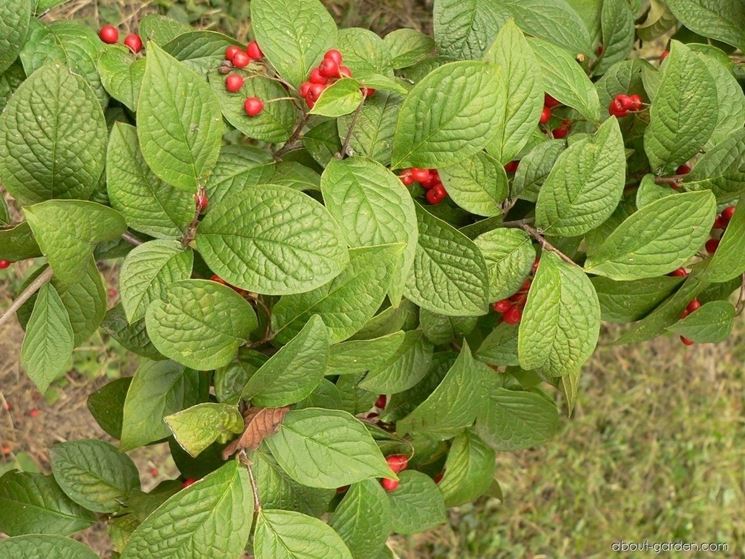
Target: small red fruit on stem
234, 83
712, 245
317, 77
231, 51
345, 72
389, 485
679, 272
686, 341
240, 59
398, 462
187, 482
728, 213
436, 194
545, 115
549, 101
109, 34
683, 170
5, 264
333, 55
381, 401
328, 68
512, 316
134, 42
511, 167
502, 306
253, 106
253, 51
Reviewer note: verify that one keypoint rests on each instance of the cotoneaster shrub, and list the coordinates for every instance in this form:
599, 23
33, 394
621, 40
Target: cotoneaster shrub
353, 268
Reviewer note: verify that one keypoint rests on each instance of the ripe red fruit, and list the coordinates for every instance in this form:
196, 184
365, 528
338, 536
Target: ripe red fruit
561, 132
686, 341
549, 101
728, 213
389, 484
406, 177
134, 42
420, 175
512, 316
345, 72
636, 102
720, 223
683, 170
397, 462
617, 109
545, 115
664, 54
328, 68
502, 306
526, 285
314, 91
231, 51
381, 401
253, 51
187, 482
626, 102
679, 272
234, 83
600, 50
5, 264
436, 194
253, 106
511, 167
218, 279
693, 306
317, 77
368, 91
304, 88
712, 245
240, 59
334, 55
108, 34
34, 412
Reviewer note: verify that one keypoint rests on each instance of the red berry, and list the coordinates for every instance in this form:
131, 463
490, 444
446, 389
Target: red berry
686, 341
304, 88
368, 91
534, 267
560, 132
549, 101
333, 55
664, 54
545, 115
241, 59
134, 42
381, 401
345, 72
526, 285
253, 106
234, 83
720, 223
109, 34
315, 90
253, 51
600, 50
328, 68
34, 412
5, 264
406, 178
679, 272
617, 109
436, 194
438, 477
512, 316
502, 306
154, 472
712, 245
231, 51
693, 306
397, 462
389, 484
420, 175
201, 201
683, 170
728, 213
218, 279
636, 102
511, 167
625, 100
518, 299
317, 77
187, 482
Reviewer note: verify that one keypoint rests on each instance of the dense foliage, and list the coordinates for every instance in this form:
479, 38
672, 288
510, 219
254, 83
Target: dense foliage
353, 268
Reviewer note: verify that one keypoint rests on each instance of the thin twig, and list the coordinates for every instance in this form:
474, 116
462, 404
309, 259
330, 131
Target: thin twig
533, 232
289, 144
246, 461
32, 288
518, 223
741, 298
675, 180
131, 239
352, 125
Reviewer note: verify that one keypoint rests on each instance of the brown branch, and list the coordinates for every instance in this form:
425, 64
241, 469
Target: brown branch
246, 461
675, 180
518, 223
289, 144
352, 125
27, 293
533, 232
131, 239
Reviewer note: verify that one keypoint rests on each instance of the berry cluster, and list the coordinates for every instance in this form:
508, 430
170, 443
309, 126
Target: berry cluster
623, 104
429, 180
563, 129
692, 306
326, 73
240, 58
720, 223
110, 35
512, 307
253, 106
397, 463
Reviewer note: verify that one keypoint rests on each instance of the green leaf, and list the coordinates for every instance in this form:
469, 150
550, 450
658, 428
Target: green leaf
509, 256
199, 426
158, 389
655, 240
499, 348
34, 504
84, 297
728, 262
230, 380
210, 519
465, 29
148, 270
449, 275
47, 347
357, 356
723, 20
721, 169
372, 207
711, 323
440, 329
283, 534
276, 121
200, 323
339, 99
477, 184
161, 29
18, 243
363, 519
627, 301
469, 470
293, 34
449, 115
513, 420
121, 75
52, 138
617, 22
148, 204
403, 368
649, 191
453, 405
346, 303
524, 92
10, 80
15, 17
201, 51
364, 52
678, 127
389, 320
326, 448
730, 100
561, 321
132, 336
372, 135
534, 168
45, 547
586, 184
192, 123
565, 80
94, 474
106, 405
272, 240
294, 371
322, 142
417, 504
407, 47
68, 230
